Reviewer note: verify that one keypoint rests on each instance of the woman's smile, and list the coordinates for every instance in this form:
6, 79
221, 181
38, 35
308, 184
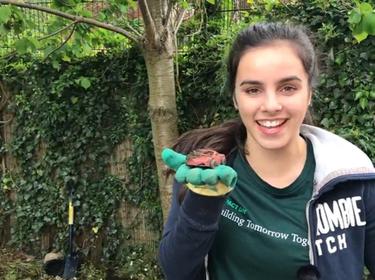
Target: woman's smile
271, 127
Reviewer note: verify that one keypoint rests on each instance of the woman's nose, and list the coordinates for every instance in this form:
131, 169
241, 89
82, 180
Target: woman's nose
271, 103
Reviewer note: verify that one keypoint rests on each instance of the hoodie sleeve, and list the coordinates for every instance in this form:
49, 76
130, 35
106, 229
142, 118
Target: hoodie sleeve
370, 228
188, 235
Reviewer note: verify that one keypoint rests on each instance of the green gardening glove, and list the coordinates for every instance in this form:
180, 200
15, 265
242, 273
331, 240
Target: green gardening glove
215, 181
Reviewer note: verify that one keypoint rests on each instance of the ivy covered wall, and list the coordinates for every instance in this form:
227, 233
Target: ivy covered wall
85, 121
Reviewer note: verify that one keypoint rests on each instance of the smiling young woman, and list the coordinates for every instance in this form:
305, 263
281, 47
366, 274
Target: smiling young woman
272, 95
303, 205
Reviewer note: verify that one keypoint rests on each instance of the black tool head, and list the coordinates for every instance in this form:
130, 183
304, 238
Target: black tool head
71, 266
54, 267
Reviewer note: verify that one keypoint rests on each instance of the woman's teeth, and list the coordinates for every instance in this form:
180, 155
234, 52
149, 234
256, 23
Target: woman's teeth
270, 124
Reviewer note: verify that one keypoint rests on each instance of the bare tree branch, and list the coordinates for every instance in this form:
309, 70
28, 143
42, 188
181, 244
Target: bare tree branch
7, 121
133, 30
146, 14
58, 31
202, 14
179, 19
65, 41
107, 26
149, 23
169, 15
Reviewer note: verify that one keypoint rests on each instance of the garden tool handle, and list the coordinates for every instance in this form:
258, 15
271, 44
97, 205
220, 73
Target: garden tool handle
71, 226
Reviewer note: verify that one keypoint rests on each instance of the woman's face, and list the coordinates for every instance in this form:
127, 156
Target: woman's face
272, 95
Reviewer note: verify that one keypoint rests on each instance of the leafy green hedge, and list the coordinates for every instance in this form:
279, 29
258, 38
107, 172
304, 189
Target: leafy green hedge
68, 121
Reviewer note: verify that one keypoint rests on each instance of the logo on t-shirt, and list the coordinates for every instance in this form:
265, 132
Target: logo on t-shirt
237, 215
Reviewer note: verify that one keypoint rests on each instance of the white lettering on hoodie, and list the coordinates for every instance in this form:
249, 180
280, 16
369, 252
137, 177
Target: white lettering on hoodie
341, 214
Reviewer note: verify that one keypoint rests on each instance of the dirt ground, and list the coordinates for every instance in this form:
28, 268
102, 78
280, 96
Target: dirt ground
16, 265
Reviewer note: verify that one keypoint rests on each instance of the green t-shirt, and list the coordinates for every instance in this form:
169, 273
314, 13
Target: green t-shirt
263, 230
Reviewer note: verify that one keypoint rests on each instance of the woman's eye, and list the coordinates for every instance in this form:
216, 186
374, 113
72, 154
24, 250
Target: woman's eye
252, 91
288, 89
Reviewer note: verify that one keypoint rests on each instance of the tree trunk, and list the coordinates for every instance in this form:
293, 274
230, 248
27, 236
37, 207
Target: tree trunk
163, 113
8, 162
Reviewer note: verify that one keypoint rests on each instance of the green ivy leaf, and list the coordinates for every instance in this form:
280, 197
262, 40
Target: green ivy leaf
363, 102
123, 8
212, 2
132, 4
184, 4
3, 30
25, 45
369, 23
86, 13
358, 95
325, 122
5, 14
56, 65
74, 99
66, 58
354, 17
84, 82
360, 36
365, 8
21, 45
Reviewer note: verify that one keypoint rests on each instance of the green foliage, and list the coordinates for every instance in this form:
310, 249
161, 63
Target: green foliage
62, 39
5, 14
20, 269
362, 21
140, 263
202, 77
12, 19
68, 120
89, 271
6, 204
15, 265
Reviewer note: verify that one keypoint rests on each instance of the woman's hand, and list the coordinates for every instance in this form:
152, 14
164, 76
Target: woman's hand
216, 181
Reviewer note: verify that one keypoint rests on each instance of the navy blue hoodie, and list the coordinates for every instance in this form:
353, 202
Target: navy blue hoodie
340, 215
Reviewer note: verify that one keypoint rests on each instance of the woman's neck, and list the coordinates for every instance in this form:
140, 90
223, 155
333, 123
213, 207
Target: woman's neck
278, 167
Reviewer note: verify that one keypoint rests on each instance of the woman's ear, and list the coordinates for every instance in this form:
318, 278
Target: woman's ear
235, 102
310, 97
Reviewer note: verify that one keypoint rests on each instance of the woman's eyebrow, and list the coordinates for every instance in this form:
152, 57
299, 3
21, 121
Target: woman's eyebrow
284, 80
289, 79
250, 82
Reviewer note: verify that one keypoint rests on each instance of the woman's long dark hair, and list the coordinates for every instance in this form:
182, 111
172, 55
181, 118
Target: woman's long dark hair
221, 138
